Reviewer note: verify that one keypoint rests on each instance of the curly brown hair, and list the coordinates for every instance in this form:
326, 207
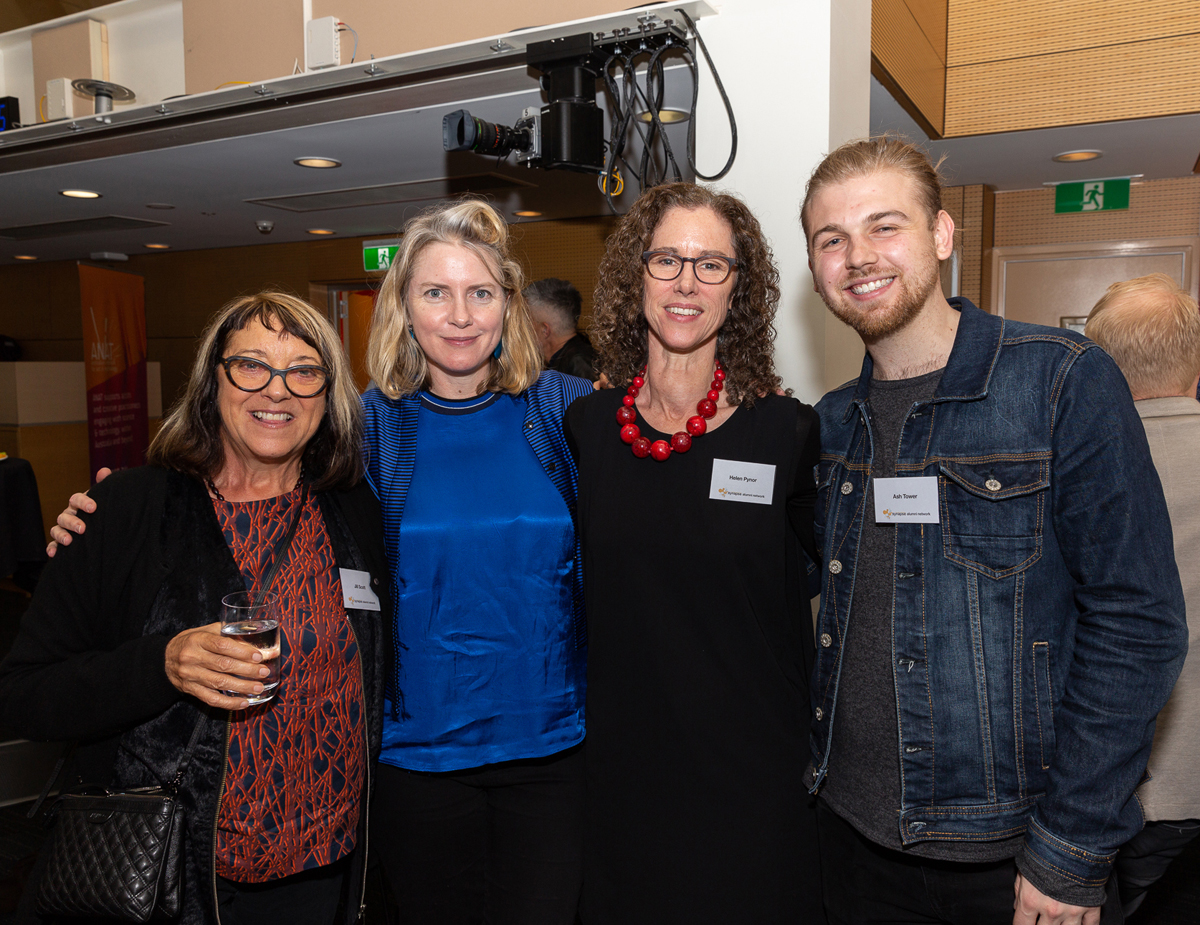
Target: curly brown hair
745, 342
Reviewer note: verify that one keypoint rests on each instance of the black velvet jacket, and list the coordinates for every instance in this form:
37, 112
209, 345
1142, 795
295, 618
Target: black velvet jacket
89, 661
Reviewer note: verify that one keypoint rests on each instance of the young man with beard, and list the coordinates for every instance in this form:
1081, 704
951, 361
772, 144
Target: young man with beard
1001, 615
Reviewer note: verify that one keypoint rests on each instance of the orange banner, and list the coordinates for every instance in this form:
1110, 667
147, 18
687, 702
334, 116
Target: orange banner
114, 353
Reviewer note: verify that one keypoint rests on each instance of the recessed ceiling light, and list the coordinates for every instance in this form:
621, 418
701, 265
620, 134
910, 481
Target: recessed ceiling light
527, 213
666, 116
159, 247
79, 193
321, 231
1070, 157
316, 162
159, 205
24, 257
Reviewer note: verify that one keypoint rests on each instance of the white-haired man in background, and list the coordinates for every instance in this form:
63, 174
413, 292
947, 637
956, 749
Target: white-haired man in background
1151, 328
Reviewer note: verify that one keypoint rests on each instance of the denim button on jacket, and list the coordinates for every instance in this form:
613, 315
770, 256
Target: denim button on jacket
1039, 627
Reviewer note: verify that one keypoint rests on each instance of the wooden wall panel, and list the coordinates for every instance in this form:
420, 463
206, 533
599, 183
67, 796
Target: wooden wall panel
59, 456
1157, 209
183, 289
570, 250
78, 49
992, 30
972, 209
905, 58
386, 29
232, 40
1153, 78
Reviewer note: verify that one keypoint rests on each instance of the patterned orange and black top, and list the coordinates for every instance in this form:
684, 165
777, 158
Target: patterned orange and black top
292, 792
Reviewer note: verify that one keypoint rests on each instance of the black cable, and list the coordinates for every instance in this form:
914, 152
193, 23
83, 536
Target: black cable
695, 93
656, 68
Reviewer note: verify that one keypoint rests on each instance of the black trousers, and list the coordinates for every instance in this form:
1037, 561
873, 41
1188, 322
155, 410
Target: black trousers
501, 844
1146, 857
308, 898
866, 884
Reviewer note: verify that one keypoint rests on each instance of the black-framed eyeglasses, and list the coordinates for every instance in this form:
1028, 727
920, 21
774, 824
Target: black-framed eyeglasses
711, 269
251, 375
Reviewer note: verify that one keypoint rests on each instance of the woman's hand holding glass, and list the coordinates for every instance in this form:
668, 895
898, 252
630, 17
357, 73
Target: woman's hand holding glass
203, 663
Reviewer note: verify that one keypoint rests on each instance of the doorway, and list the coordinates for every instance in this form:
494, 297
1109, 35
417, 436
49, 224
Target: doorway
350, 308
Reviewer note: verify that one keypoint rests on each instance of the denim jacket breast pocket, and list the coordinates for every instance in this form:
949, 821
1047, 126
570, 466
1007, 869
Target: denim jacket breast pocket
993, 512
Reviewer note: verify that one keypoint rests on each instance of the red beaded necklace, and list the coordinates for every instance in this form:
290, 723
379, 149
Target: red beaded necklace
681, 442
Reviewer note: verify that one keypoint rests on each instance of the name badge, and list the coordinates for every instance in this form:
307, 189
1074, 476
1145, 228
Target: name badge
356, 590
913, 501
733, 480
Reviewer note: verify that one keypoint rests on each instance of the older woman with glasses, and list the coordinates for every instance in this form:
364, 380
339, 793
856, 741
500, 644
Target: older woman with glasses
122, 649
696, 497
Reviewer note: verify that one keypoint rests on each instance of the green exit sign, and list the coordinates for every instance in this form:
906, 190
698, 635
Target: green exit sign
1092, 196
378, 255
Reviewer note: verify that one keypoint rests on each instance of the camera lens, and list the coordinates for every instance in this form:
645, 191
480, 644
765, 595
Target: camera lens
462, 131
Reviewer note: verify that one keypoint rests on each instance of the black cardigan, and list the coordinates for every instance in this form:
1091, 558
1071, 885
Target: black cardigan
89, 660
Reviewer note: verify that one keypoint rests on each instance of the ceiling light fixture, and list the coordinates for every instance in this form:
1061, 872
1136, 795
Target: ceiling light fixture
527, 213
79, 193
666, 116
158, 247
24, 257
1071, 157
320, 162
321, 231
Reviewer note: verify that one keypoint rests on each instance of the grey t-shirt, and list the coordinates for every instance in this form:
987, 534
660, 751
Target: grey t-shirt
862, 784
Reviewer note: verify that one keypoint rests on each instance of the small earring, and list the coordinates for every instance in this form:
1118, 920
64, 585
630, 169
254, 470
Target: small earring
499, 349
411, 332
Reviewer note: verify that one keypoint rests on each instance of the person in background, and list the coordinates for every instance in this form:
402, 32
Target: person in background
480, 791
119, 648
695, 500
1151, 328
1001, 615
555, 306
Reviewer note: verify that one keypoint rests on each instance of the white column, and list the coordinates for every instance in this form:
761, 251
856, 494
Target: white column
798, 75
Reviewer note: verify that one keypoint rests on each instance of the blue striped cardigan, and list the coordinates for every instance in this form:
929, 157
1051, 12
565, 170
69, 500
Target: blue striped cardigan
391, 444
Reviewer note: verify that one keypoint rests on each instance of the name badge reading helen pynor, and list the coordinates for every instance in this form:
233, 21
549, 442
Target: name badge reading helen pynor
356, 590
742, 481
906, 501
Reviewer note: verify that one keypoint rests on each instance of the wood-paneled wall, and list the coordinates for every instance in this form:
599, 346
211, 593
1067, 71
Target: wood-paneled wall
1157, 209
384, 30
41, 306
1008, 65
973, 211
908, 56
223, 39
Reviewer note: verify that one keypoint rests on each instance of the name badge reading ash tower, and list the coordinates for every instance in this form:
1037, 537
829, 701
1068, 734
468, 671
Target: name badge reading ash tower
733, 480
906, 501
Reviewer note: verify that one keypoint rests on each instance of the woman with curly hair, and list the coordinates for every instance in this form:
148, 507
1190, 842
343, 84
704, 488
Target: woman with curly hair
696, 497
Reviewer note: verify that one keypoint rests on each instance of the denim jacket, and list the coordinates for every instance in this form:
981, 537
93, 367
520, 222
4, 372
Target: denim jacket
1039, 627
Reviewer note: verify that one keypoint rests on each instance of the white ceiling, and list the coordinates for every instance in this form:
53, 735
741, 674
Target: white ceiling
1155, 148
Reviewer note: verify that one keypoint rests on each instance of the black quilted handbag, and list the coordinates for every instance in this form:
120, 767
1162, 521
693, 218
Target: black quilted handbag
117, 854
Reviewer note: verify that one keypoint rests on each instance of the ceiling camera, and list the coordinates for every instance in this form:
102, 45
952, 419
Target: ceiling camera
265, 226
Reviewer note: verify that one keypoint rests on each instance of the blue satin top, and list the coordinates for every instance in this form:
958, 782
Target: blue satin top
485, 636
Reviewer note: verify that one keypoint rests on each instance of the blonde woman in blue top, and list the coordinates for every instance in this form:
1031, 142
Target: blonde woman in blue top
480, 787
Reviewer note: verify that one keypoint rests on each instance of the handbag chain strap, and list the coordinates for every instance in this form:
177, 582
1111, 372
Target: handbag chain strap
278, 556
